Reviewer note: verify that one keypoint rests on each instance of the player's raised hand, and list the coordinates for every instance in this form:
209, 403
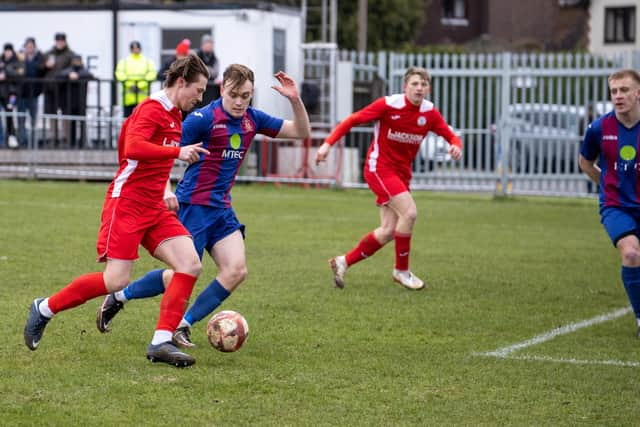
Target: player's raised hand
288, 86
191, 153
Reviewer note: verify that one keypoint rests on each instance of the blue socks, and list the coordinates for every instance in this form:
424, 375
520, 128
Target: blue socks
631, 281
147, 286
151, 285
208, 300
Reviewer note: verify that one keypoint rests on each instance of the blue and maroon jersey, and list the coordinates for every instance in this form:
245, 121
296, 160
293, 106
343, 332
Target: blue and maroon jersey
209, 180
617, 149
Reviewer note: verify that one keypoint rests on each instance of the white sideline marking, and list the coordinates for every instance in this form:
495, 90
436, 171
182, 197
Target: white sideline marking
506, 352
575, 361
563, 330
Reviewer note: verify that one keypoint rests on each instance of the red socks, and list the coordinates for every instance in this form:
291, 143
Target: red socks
365, 248
403, 247
91, 285
174, 301
81, 290
369, 246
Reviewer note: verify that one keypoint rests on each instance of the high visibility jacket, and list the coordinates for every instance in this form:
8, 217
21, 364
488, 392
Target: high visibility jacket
135, 72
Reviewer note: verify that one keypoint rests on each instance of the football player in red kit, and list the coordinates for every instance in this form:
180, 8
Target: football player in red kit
134, 213
401, 122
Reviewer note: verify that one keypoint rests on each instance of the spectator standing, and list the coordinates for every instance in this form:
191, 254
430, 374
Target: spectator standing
182, 51
208, 56
11, 71
56, 59
135, 74
34, 68
75, 100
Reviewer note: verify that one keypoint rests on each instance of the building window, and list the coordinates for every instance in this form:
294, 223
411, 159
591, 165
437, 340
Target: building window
279, 49
620, 25
171, 38
454, 12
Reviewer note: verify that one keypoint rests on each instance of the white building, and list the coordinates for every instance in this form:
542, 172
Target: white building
266, 39
614, 26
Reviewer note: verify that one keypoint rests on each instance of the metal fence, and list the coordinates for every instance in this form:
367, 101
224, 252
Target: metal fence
521, 118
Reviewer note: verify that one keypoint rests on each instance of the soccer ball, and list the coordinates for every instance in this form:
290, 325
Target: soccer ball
227, 330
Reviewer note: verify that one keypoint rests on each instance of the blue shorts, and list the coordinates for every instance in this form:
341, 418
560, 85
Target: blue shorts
208, 225
620, 222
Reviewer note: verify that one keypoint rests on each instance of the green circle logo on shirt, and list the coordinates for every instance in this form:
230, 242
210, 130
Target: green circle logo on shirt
235, 141
627, 153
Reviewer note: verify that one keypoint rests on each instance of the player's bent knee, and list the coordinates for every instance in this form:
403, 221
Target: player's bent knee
239, 273
115, 284
234, 275
191, 267
167, 275
385, 236
631, 257
411, 216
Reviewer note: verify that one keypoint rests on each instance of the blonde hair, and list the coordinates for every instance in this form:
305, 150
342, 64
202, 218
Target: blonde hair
627, 72
419, 71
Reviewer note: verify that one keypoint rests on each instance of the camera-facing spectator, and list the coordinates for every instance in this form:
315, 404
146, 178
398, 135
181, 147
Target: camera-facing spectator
56, 59
208, 56
135, 74
11, 71
31, 88
74, 101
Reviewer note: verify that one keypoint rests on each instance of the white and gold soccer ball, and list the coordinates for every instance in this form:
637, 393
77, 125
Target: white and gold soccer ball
227, 330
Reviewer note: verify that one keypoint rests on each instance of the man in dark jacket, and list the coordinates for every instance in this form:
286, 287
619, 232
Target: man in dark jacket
56, 59
74, 101
210, 59
11, 72
34, 69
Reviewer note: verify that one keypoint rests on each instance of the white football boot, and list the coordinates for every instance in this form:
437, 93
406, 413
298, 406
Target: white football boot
339, 267
407, 279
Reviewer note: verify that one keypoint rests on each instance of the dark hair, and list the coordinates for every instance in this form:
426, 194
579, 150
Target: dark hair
237, 74
189, 68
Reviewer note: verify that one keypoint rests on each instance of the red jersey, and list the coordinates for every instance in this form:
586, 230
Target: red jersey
145, 163
399, 128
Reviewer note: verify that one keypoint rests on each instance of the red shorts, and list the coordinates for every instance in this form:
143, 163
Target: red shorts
127, 224
385, 185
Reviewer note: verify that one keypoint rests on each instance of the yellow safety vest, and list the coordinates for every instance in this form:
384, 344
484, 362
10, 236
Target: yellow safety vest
135, 73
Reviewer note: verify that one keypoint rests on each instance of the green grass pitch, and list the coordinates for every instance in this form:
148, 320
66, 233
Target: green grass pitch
500, 271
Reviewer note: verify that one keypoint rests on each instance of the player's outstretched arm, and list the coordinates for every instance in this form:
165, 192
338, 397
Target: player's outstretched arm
299, 127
